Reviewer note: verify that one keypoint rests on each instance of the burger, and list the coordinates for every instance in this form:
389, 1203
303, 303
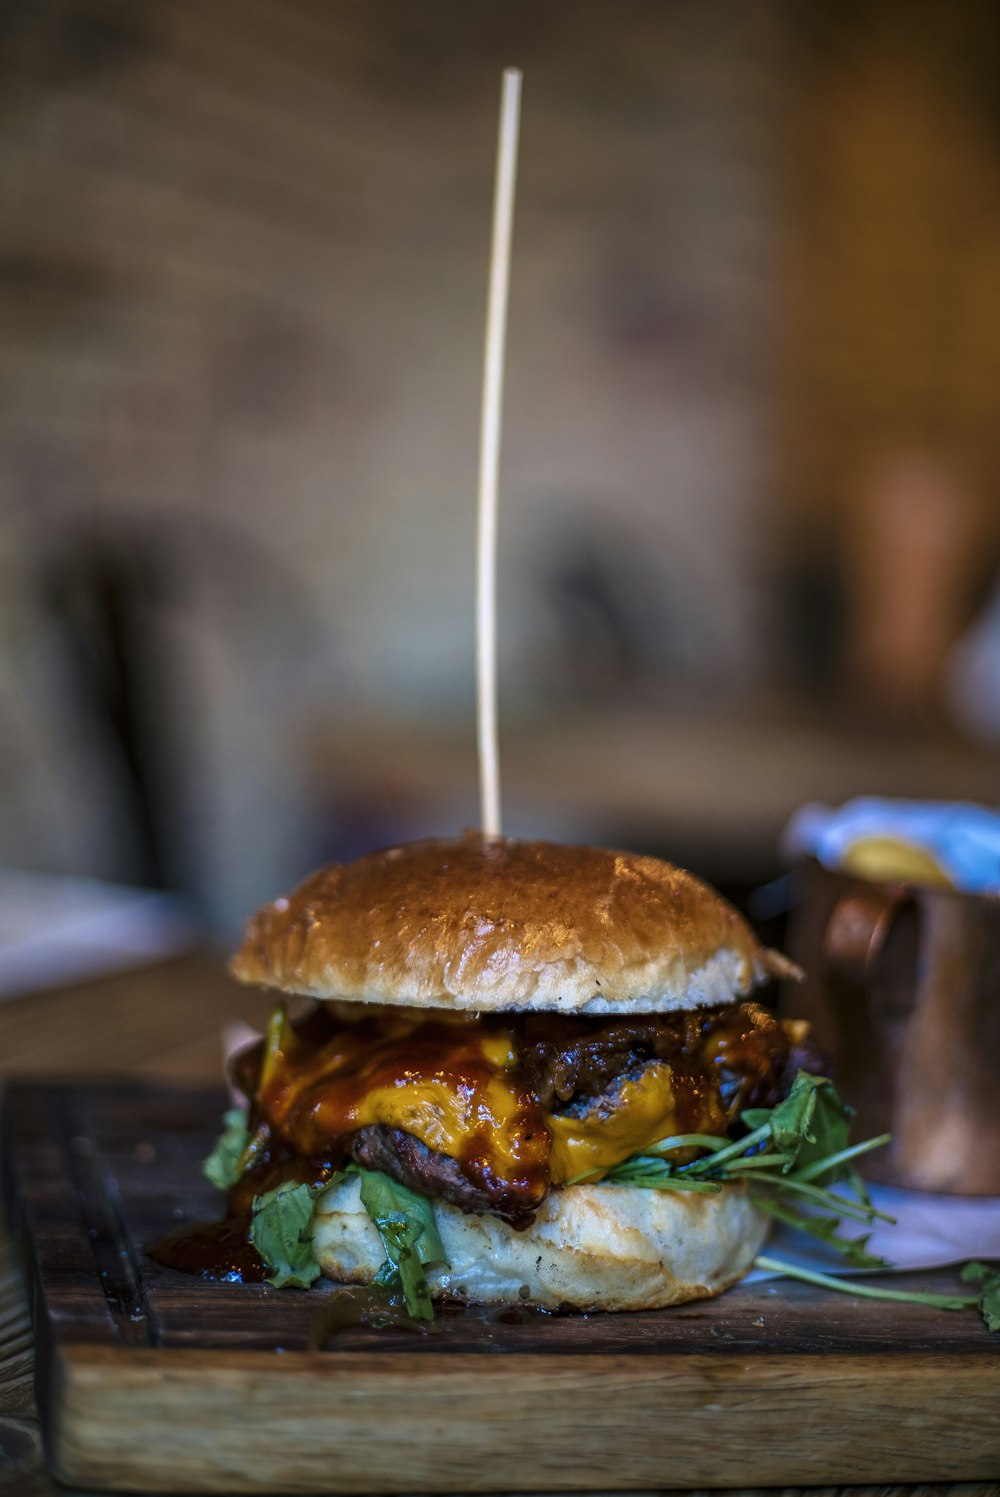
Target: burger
497, 1034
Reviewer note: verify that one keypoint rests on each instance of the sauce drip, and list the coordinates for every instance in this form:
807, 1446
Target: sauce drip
364, 1305
212, 1250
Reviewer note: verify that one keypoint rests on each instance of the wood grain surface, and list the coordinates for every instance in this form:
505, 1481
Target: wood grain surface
837, 1350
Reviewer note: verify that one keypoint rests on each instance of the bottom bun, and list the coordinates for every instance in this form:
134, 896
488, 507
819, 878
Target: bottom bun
591, 1247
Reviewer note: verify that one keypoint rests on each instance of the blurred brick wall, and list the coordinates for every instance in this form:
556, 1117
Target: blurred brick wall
243, 274
242, 282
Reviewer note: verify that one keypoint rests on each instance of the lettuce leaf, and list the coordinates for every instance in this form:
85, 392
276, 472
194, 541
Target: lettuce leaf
405, 1222
222, 1167
282, 1232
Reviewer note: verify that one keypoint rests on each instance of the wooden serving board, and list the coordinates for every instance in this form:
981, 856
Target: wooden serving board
150, 1380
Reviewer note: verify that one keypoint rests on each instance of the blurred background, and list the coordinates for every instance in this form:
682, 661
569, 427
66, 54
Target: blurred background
749, 530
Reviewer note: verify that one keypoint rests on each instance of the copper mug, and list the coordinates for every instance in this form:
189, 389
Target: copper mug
902, 991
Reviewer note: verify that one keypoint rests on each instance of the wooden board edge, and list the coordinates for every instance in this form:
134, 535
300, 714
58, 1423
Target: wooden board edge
147, 1421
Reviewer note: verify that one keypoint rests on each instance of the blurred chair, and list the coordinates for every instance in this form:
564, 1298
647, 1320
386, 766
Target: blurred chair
103, 597
186, 662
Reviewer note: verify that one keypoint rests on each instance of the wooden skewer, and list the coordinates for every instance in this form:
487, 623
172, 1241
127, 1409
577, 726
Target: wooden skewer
489, 452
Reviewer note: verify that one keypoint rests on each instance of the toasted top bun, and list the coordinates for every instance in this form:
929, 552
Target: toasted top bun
482, 924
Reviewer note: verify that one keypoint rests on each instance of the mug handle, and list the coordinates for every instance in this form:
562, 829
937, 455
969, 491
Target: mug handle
858, 926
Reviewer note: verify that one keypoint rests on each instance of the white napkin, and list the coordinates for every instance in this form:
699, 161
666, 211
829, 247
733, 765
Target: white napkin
56, 929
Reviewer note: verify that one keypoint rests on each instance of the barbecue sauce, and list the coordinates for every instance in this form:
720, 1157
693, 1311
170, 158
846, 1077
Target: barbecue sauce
212, 1250
521, 1102
222, 1249
454, 1085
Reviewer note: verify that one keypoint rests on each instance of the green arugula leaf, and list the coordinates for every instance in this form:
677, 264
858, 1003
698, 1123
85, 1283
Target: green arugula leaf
826, 1228
975, 1272
811, 1124
282, 1231
790, 1155
989, 1304
222, 1167
831, 1166
856, 1185
865, 1289
830, 1201
987, 1275
740, 1148
405, 1222
689, 1141
651, 1173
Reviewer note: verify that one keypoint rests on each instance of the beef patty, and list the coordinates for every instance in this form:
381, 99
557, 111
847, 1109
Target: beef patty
735, 1056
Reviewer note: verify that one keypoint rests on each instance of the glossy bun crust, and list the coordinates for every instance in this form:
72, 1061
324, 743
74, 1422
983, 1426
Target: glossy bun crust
477, 924
594, 1247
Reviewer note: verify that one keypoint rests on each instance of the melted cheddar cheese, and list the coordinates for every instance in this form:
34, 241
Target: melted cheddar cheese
459, 1088
592, 1144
